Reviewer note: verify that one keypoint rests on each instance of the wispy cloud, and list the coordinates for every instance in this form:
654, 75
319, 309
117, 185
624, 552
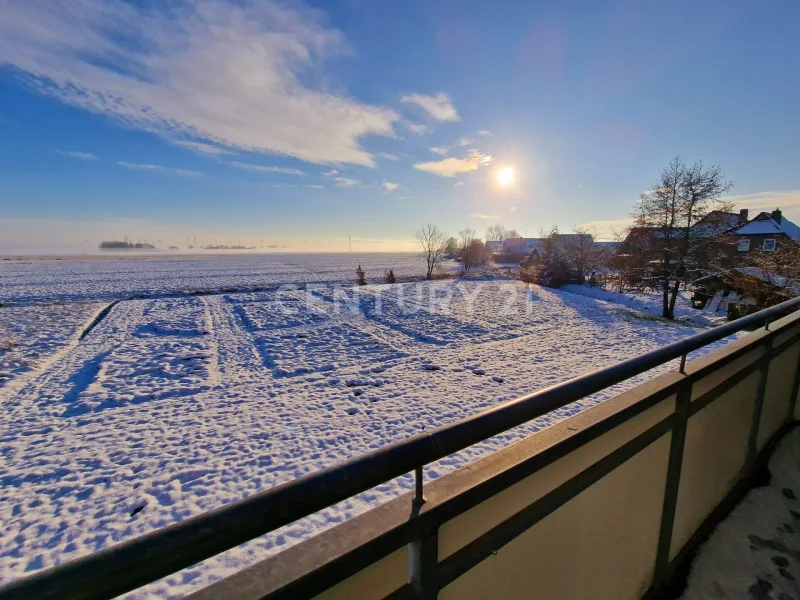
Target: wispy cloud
247, 75
264, 169
389, 186
319, 187
450, 167
387, 156
766, 200
788, 201
146, 167
201, 148
483, 216
78, 155
513, 209
439, 106
464, 142
331, 173
459, 184
485, 132
345, 182
417, 128
439, 150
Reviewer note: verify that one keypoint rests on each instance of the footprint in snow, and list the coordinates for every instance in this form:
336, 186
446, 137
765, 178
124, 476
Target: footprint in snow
498, 379
478, 372
429, 367
351, 411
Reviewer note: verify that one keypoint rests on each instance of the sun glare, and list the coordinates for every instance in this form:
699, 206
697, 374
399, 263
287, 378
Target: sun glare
505, 176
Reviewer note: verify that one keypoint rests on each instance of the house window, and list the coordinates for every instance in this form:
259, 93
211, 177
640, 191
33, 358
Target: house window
744, 245
769, 246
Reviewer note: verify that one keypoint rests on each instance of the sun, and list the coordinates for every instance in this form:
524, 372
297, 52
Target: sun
505, 176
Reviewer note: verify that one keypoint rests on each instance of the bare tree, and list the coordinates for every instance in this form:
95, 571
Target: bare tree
498, 233
582, 252
451, 248
674, 250
432, 242
471, 253
549, 266
475, 255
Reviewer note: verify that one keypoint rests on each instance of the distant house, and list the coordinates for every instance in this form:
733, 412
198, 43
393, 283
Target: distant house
495, 247
520, 245
767, 231
717, 222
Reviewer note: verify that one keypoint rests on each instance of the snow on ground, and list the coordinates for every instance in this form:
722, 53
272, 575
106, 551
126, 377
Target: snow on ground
651, 303
115, 276
172, 406
753, 553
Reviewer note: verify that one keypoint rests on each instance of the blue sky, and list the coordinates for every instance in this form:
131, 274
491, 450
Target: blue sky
309, 122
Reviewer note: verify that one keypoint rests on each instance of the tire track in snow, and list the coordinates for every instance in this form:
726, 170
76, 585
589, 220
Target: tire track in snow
19, 383
45, 389
237, 358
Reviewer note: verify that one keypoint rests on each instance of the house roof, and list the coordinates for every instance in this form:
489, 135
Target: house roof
716, 222
764, 224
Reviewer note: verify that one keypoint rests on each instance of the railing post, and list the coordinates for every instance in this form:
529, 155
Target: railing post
752, 444
423, 551
424, 565
795, 390
683, 402
419, 496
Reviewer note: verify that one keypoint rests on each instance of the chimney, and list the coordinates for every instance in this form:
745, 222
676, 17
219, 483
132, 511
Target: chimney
776, 215
743, 215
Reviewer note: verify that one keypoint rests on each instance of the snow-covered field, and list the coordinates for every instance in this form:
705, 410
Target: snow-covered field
171, 406
123, 276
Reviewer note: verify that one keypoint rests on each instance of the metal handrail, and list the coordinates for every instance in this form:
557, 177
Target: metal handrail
142, 560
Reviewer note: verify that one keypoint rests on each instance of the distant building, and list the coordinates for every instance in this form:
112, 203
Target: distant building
768, 231
125, 245
522, 245
495, 247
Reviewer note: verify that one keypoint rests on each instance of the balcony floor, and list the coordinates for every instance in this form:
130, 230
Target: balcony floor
754, 554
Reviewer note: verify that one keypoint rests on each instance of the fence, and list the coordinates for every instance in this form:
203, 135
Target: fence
601, 505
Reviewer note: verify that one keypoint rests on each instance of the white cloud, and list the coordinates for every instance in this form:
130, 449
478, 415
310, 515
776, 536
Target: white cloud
485, 132
439, 150
417, 128
247, 75
146, 167
345, 182
79, 155
389, 186
459, 184
483, 216
439, 106
331, 173
450, 167
463, 142
387, 156
263, 169
319, 187
201, 148
513, 209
